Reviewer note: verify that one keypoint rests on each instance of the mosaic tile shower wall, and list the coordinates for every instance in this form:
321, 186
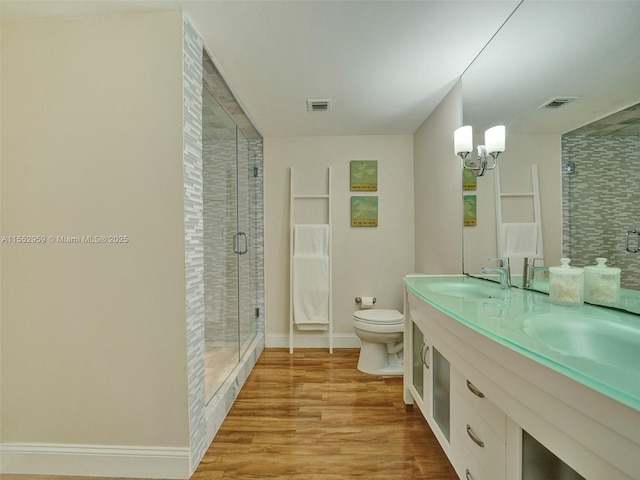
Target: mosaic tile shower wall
600, 201
221, 271
193, 224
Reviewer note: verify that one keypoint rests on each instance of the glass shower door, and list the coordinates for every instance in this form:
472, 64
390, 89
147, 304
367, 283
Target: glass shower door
220, 210
246, 239
231, 218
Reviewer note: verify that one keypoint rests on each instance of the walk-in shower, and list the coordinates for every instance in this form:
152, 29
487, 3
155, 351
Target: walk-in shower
233, 236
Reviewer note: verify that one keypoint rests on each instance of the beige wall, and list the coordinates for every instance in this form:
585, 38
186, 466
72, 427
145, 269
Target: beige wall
366, 261
438, 190
1, 224
93, 336
1, 230
522, 151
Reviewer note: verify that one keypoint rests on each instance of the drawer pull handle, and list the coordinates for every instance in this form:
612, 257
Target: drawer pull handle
467, 474
473, 389
474, 437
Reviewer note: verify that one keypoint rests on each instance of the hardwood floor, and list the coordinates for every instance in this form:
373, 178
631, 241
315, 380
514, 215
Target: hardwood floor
314, 416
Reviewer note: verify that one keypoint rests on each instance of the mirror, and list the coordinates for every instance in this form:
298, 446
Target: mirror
583, 55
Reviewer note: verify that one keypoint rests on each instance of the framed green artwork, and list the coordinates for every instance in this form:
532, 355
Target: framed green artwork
364, 175
469, 180
364, 211
470, 210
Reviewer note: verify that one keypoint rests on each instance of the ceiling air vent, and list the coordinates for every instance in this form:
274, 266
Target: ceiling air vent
319, 105
557, 102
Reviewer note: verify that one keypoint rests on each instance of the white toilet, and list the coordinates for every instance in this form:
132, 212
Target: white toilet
380, 333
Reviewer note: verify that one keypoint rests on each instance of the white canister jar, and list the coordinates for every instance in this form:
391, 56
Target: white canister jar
566, 284
601, 283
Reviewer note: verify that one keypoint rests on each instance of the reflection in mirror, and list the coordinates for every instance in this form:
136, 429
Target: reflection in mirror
600, 178
553, 70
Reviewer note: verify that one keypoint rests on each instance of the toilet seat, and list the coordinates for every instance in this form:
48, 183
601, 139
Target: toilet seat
379, 317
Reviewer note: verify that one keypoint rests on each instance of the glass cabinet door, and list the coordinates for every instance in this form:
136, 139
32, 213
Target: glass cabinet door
441, 392
418, 359
538, 463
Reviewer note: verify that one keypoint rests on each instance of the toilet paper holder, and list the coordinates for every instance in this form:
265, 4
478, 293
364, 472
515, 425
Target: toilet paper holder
359, 299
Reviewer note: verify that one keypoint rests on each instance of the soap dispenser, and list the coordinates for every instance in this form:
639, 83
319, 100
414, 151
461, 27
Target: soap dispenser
566, 284
601, 283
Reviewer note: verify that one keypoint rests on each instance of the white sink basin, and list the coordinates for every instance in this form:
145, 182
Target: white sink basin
606, 341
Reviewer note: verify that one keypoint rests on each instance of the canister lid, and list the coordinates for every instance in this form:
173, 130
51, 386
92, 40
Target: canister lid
601, 268
566, 269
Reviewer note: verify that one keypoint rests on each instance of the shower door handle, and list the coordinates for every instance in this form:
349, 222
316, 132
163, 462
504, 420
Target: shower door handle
236, 242
626, 241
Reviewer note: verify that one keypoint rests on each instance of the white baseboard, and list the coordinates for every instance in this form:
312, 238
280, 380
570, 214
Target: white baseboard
94, 460
317, 340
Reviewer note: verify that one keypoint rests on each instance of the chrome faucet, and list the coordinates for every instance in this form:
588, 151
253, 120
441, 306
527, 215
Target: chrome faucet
503, 271
529, 271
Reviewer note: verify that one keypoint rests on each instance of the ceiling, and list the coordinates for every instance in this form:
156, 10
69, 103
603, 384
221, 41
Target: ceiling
385, 64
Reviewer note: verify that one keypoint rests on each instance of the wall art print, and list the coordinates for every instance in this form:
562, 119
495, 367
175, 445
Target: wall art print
364, 175
364, 211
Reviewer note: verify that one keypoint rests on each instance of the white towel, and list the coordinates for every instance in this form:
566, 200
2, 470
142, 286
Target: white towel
311, 239
519, 240
311, 292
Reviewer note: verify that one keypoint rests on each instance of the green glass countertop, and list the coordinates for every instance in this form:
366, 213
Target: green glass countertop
595, 346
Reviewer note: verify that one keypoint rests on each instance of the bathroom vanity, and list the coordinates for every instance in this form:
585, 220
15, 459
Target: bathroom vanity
516, 388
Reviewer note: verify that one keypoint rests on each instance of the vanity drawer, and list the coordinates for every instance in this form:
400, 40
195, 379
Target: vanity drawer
466, 465
473, 396
479, 438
